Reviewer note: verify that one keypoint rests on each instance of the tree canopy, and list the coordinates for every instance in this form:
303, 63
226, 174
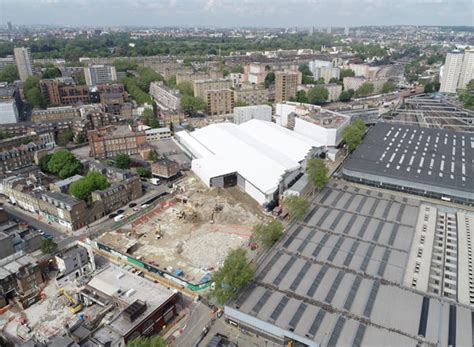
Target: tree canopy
346, 95
354, 133
389, 87
269, 79
346, 73
32, 91
144, 171
52, 72
83, 188
43, 162
63, 164
317, 95
318, 172
122, 161
152, 341
152, 155
191, 105
365, 89
185, 88
268, 234
48, 246
9, 74
296, 206
232, 276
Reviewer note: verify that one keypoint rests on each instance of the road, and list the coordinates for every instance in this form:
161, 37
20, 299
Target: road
198, 319
62, 237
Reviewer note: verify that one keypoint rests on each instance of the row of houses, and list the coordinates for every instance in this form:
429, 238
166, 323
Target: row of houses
65, 209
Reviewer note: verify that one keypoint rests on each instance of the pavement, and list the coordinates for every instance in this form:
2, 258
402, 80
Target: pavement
196, 322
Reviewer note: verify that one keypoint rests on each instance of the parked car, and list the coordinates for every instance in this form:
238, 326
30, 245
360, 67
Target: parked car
119, 217
120, 211
112, 215
132, 205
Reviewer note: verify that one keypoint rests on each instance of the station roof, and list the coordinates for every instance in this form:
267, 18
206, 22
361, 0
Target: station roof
435, 157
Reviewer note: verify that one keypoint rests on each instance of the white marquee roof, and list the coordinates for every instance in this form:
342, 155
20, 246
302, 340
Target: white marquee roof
259, 151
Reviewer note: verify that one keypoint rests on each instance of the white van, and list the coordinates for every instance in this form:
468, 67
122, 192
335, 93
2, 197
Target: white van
119, 217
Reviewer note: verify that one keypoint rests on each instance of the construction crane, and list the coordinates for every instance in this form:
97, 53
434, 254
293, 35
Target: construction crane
73, 305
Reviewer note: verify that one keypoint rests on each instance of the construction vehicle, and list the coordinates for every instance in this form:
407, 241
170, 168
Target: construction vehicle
73, 305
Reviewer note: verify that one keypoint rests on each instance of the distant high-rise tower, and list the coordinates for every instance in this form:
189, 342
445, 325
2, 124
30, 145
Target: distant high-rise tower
454, 65
311, 30
24, 62
467, 69
346, 31
10, 26
99, 74
328, 30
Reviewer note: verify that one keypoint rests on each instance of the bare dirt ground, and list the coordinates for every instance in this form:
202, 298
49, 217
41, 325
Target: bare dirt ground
194, 231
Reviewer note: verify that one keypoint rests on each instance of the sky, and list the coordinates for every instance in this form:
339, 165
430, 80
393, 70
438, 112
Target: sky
232, 13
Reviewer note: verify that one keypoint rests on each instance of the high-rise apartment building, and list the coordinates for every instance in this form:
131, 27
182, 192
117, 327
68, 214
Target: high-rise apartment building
99, 74
220, 101
24, 62
458, 70
165, 96
467, 69
202, 86
286, 83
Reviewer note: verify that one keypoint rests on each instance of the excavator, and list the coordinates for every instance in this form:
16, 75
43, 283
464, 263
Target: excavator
73, 305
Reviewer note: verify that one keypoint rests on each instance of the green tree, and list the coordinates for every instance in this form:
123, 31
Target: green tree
232, 276
152, 341
83, 188
150, 118
301, 96
122, 161
365, 89
144, 171
335, 80
79, 77
43, 162
470, 85
354, 133
9, 74
346, 73
296, 206
26, 140
64, 164
192, 105
80, 139
48, 246
318, 173
152, 156
124, 65
389, 87
269, 79
3, 135
185, 88
35, 97
52, 72
307, 75
268, 234
318, 95
345, 96
171, 81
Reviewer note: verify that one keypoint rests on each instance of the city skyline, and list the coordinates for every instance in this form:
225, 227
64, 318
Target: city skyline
226, 13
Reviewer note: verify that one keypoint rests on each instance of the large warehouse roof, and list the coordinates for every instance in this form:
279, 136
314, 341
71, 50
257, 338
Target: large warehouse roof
433, 160
336, 279
259, 151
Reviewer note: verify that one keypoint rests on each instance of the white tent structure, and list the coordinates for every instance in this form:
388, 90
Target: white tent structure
256, 155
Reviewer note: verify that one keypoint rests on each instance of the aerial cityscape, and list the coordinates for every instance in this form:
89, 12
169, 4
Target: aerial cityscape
222, 173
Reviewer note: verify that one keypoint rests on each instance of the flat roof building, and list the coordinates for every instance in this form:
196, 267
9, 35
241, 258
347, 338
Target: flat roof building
145, 306
24, 62
99, 74
337, 279
431, 162
250, 155
245, 113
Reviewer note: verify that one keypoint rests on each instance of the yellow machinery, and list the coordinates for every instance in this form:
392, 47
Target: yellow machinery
73, 305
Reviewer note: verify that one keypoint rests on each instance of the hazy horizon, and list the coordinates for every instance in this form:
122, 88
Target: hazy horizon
243, 13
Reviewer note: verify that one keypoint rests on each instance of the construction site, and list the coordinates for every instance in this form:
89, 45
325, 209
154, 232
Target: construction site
191, 233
